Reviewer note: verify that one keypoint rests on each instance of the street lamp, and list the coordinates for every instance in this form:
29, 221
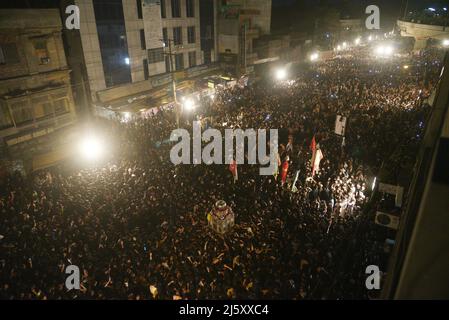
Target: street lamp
445, 42
384, 51
314, 56
189, 104
91, 148
281, 74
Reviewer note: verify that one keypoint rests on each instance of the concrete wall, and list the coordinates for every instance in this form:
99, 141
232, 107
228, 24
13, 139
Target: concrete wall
91, 47
422, 32
35, 89
24, 28
133, 26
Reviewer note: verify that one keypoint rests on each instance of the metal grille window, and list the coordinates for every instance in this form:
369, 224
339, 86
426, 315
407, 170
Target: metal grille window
191, 34
60, 106
155, 55
179, 61
9, 53
177, 36
175, 9
190, 8
22, 113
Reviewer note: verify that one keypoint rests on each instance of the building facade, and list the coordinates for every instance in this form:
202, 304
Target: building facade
240, 23
35, 90
129, 47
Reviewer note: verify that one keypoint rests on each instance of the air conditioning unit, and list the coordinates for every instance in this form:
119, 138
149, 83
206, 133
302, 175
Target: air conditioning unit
387, 220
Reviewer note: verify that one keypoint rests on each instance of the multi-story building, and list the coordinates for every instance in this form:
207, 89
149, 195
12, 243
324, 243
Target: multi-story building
35, 90
208, 29
350, 29
240, 22
129, 46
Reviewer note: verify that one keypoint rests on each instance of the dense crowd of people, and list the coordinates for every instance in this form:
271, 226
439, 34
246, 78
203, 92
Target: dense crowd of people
136, 224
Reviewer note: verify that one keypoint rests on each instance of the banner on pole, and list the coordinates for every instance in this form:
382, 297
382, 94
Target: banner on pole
340, 125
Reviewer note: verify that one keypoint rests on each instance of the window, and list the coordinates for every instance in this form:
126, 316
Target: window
42, 108
155, 55
143, 44
191, 34
179, 61
2, 56
192, 59
48, 109
163, 9
22, 113
60, 106
5, 119
41, 51
139, 9
177, 36
9, 53
165, 36
190, 8
167, 64
175, 9
145, 69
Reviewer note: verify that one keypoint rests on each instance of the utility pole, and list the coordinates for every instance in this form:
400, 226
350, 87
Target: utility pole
405, 10
172, 73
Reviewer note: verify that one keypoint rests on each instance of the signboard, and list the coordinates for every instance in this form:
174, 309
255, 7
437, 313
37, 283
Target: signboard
397, 191
160, 80
179, 75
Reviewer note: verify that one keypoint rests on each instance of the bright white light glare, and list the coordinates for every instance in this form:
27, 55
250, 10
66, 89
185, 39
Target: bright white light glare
446, 42
127, 60
91, 148
406, 67
281, 74
431, 9
374, 183
126, 116
314, 56
357, 41
370, 38
345, 44
384, 51
189, 104
338, 48
212, 96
